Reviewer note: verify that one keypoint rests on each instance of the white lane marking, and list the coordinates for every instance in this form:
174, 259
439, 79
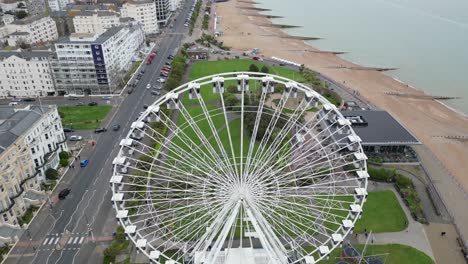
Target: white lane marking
45, 241
76, 240
51, 241
70, 240
81, 240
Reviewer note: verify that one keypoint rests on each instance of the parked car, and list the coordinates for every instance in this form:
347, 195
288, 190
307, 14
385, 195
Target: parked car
168, 63
170, 57
155, 92
161, 80
93, 104
145, 106
76, 138
29, 99
148, 86
64, 193
16, 100
116, 127
66, 130
73, 98
157, 87
100, 130
130, 90
80, 104
256, 58
162, 75
148, 62
107, 97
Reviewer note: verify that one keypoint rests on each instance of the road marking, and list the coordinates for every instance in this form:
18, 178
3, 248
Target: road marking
70, 240
45, 241
76, 240
81, 240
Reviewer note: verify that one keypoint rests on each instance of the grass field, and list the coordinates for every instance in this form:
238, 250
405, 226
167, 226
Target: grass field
83, 117
382, 213
397, 254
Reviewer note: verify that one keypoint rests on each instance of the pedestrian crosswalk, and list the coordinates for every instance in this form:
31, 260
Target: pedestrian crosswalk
65, 240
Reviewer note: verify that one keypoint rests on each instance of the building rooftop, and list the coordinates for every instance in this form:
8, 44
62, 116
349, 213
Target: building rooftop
136, 2
19, 34
99, 40
24, 54
27, 20
100, 13
14, 122
379, 128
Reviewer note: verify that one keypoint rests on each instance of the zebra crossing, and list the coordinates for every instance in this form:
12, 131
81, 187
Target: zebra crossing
67, 242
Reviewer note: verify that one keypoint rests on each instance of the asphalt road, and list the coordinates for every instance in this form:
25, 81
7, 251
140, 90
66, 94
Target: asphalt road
75, 230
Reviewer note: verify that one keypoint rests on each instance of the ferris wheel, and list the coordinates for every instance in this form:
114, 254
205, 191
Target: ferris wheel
239, 167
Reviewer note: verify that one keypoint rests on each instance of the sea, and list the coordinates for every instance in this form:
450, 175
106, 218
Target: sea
426, 40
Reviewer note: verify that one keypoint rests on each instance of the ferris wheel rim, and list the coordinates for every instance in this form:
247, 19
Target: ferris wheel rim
208, 80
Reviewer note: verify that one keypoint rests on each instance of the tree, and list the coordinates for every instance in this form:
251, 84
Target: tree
64, 155
265, 69
51, 174
21, 14
302, 68
20, 5
22, 44
253, 68
230, 100
232, 89
63, 162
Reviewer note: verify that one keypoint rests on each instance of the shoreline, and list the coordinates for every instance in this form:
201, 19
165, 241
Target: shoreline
243, 33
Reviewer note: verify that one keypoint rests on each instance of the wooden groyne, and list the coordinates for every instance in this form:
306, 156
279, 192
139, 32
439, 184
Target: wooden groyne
262, 15
423, 96
301, 38
253, 8
282, 26
248, 2
358, 68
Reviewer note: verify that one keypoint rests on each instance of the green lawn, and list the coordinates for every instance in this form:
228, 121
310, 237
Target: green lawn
382, 213
83, 117
397, 254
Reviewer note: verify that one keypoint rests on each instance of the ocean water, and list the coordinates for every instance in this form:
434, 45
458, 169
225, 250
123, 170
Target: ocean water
427, 40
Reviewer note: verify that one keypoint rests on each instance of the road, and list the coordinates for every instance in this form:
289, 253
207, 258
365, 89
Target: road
63, 232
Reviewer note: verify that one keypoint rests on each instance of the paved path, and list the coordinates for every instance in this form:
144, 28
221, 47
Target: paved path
414, 236
451, 193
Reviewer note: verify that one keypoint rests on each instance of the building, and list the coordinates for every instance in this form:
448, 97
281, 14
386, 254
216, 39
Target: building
58, 5
36, 7
163, 11
93, 63
25, 74
144, 12
95, 22
382, 137
30, 140
174, 5
8, 19
198, 53
40, 29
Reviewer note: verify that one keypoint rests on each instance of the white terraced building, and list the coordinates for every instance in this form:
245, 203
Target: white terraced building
34, 29
30, 140
95, 22
144, 12
96, 63
25, 74
58, 5
163, 11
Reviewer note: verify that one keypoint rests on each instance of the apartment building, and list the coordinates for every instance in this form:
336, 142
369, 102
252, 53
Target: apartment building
163, 11
31, 30
36, 7
96, 64
59, 5
95, 22
174, 5
30, 140
144, 12
25, 74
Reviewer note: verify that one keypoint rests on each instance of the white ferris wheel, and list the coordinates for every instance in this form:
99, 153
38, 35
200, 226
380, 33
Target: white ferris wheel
239, 167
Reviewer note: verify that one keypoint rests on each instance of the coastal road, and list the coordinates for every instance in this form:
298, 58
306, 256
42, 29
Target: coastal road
76, 230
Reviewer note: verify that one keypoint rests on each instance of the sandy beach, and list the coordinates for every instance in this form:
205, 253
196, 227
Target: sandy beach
426, 119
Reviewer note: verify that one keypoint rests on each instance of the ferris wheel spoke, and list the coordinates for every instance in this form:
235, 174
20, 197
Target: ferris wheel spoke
205, 141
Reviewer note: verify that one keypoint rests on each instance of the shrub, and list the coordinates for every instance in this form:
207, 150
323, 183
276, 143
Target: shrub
232, 89
403, 181
51, 174
63, 162
380, 174
265, 69
253, 68
64, 155
230, 100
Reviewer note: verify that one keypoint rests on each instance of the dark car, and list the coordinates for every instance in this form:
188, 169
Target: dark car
170, 57
145, 106
73, 98
100, 130
29, 99
130, 90
116, 127
93, 104
168, 63
64, 193
65, 129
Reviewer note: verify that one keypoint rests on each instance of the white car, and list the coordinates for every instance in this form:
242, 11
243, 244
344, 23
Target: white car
161, 80
148, 86
76, 138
